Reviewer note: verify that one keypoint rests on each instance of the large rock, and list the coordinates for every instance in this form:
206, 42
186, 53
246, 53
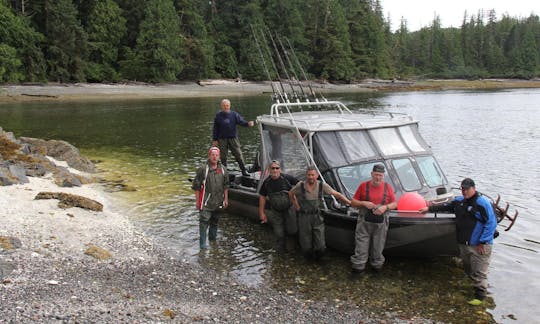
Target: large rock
70, 200
60, 150
31, 157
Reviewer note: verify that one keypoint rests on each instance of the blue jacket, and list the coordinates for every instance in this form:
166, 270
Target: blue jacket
475, 219
225, 124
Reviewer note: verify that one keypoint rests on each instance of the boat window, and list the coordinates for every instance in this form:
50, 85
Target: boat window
330, 148
357, 145
283, 145
407, 175
352, 176
344, 147
388, 141
410, 139
431, 171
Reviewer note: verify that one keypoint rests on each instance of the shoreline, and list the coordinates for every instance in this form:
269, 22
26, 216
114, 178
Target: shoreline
221, 88
48, 274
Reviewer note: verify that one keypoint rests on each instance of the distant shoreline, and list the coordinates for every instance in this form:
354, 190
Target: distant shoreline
222, 88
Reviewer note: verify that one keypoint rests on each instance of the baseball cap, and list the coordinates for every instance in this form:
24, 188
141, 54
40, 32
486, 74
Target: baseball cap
467, 183
378, 168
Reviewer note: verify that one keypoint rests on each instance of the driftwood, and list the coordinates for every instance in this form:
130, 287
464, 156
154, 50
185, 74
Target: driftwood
69, 200
38, 95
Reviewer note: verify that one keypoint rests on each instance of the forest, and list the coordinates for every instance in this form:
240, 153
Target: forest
173, 40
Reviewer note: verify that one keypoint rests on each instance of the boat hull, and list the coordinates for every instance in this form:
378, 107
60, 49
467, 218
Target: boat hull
410, 236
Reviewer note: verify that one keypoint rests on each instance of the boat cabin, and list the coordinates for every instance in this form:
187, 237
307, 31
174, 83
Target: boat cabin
344, 145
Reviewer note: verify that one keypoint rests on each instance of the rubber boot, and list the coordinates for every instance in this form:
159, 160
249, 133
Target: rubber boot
243, 169
202, 235
212, 232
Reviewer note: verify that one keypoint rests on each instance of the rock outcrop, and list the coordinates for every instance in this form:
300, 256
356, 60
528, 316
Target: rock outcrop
27, 157
67, 200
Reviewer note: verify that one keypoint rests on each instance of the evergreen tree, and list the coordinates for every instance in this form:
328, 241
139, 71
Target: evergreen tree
199, 48
493, 54
284, 18
21, 58
106, 27
65, 39
327, 28
223, 34
437, 48
401, 50
157, 57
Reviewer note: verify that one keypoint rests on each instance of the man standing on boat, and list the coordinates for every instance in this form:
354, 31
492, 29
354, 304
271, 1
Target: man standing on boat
274, 202
373, 198
475, 228
224, 133
307, 197
211, 185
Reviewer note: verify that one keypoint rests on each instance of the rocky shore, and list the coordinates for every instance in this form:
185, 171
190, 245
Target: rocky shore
62, 262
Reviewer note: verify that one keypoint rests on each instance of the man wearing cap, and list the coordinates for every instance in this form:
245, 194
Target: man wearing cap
374, 198
475, 226
211, 185
224, 134
274, 202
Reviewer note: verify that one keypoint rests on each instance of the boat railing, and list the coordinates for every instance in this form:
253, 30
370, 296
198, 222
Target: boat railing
289, 107
350, 121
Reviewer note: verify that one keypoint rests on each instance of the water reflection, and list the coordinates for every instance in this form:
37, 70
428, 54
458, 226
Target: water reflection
147, 151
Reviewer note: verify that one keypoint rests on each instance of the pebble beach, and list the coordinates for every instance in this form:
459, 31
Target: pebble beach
49, 275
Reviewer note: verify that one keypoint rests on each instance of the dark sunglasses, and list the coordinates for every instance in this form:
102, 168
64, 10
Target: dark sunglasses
275, 168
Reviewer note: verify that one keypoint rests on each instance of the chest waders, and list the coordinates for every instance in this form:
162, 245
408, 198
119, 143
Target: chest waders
210, 205
370, 236
311, 224
368, 213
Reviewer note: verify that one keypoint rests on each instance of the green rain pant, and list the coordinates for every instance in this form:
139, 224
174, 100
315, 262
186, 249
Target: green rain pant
311, 234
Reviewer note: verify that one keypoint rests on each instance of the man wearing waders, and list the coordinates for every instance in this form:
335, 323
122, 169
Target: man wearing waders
476, 225
373, 198
211, 185
224, 134
275, 204
307, 197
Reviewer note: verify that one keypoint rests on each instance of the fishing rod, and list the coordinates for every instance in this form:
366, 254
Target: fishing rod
274, 90
285, 52
302, 70
281, 62
282, 94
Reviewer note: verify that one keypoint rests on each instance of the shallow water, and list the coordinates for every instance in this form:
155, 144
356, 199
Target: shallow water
153, 147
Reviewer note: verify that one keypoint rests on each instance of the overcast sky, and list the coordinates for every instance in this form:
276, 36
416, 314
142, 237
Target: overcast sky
420, 13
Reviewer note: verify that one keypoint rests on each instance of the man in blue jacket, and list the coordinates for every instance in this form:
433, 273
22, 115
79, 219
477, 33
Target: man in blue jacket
475, 227
224, 134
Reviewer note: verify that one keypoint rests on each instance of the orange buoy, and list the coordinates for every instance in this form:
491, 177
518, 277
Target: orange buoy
411, 201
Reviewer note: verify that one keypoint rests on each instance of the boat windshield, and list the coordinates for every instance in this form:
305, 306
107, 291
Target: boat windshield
339, 148
352, 176
431, 171
409, 178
